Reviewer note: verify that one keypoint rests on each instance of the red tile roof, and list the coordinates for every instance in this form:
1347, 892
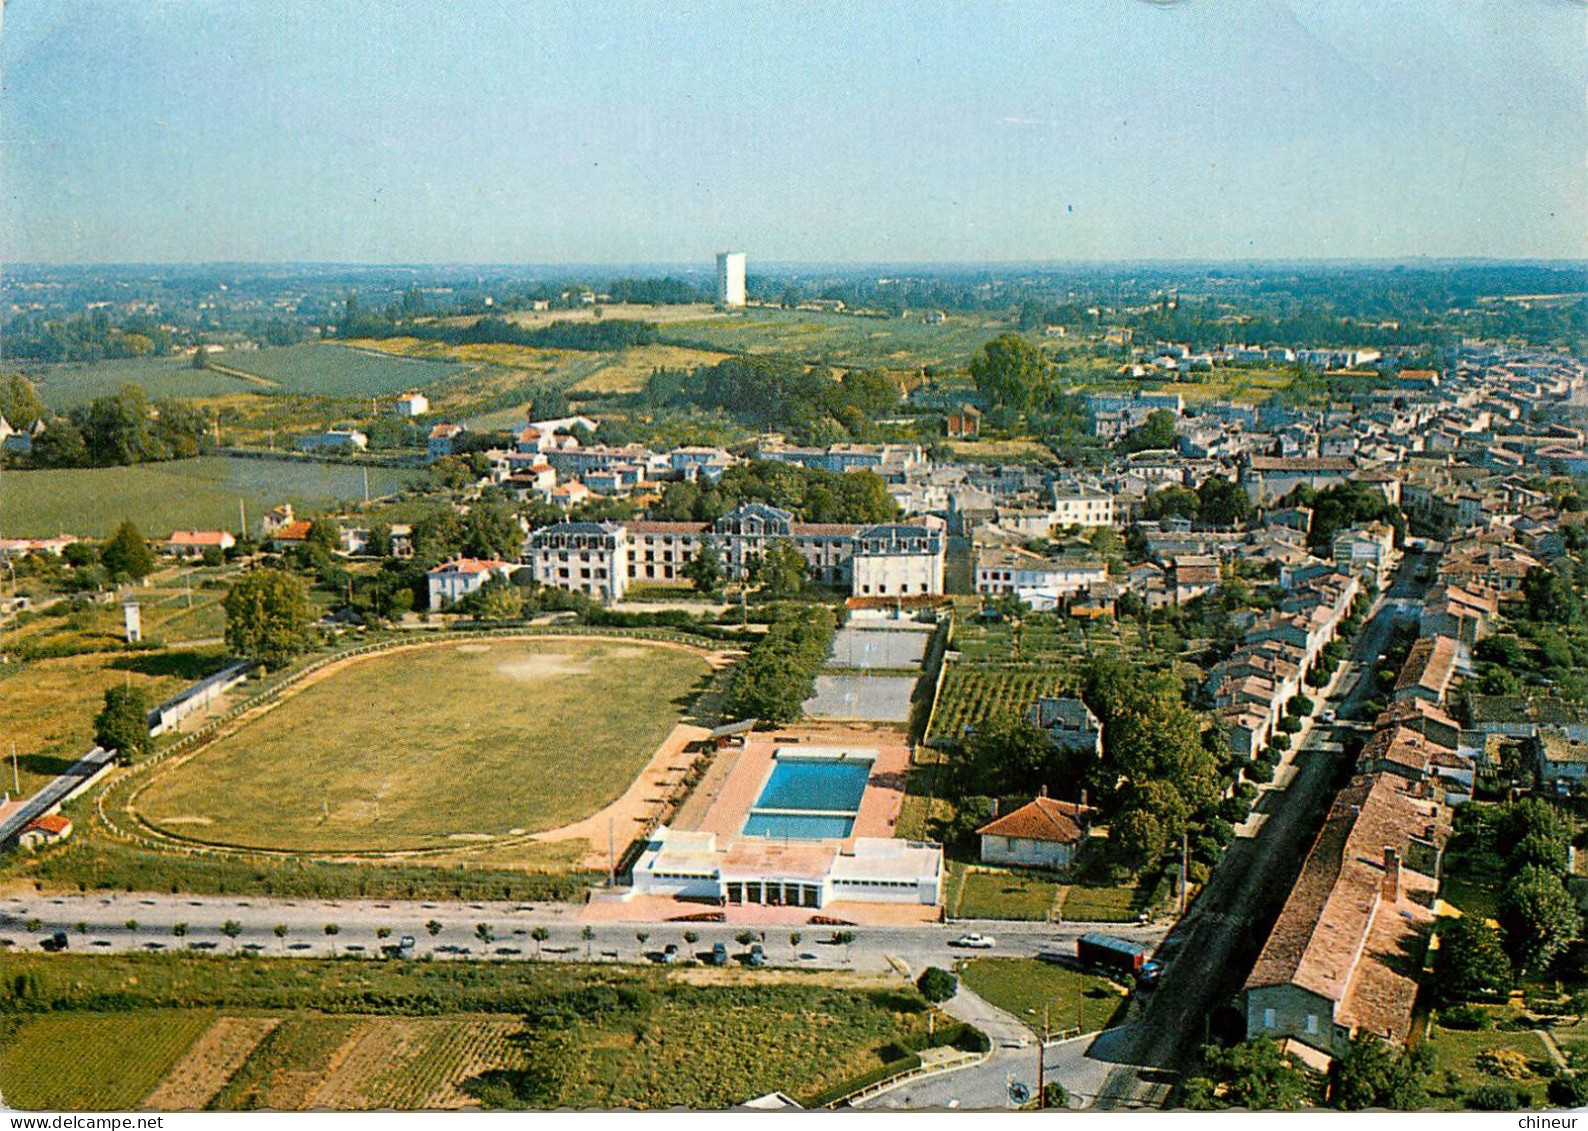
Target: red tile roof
52, 823
1044, 818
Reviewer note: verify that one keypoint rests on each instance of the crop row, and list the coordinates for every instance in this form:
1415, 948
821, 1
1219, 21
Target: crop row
973, 694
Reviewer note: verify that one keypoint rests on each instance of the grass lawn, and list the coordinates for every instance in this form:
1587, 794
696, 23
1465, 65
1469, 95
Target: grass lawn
1455, 1062
436, 745
1023, 986
1085, 903
48, 709
179, 494
1006, 895
92, 1061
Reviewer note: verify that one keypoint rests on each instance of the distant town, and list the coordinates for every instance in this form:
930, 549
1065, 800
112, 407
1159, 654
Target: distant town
1151, 686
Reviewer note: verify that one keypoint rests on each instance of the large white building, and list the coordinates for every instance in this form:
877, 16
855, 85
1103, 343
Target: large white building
587, 557
759, 870
887, 560
1009, 570
452, 581
730, 278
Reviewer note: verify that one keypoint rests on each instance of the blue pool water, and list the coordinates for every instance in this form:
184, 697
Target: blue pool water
798, 826
820, 785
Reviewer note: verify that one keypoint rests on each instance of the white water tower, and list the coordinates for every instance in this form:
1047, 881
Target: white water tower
132, 619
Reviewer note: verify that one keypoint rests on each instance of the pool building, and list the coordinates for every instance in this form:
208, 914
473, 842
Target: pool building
796, 844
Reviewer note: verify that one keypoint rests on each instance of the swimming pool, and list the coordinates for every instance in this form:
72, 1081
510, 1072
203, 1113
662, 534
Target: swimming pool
809, 798
799, 826
815, 784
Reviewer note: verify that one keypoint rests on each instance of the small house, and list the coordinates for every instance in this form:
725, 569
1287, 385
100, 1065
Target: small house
1044, 833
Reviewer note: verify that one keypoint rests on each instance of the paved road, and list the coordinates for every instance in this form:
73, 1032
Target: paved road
896, 950
1210, 951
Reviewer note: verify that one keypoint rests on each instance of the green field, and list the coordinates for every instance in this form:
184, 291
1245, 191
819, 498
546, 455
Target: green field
519, 1035
93, 1061
1006, 895
841, 339
435, 746
322, 369
1456, 1068
973, 695
180, 494
68, 385
1024, 987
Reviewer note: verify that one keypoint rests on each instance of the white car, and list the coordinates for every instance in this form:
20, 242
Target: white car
976, 942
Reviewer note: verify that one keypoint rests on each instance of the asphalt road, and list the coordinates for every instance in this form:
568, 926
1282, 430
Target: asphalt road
1209, 953
97, 924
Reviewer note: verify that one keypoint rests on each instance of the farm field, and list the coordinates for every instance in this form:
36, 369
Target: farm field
1024, 986
323, 369
181, 494
526, 1035
840, 339
48, 709
70, 384
44, 1063
481, 745
972, 695
629, 370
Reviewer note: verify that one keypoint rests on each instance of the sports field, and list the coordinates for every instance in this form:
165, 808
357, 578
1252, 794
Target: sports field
441, 745
179, 494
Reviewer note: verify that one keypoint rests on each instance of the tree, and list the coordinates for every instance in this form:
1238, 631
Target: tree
123, 723
492, 531
1547, 597
1152, 434
280, 931
127, 555
705, 569
19, 401
268, 616
539, 935
780, 571
433, 927
1257, 1075
231, 929
1223, 502
179, 930
485, 933
331, 931
794, 941
691, 937
1011, 754
744, 938
1011, 372
587, 933
325, 534
495, 600
61, 444
936, 984
379, 544
1537, 917
1368, 1074
1137, 837
1471, 961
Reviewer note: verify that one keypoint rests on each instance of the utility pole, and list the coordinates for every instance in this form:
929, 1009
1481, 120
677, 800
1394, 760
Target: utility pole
612, 853
1185, 847
1042, 1061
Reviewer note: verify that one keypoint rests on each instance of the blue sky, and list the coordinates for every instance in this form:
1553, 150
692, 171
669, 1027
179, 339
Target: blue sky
623, 132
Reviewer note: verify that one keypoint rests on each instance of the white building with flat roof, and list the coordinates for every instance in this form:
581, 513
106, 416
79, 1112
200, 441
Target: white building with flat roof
730, 278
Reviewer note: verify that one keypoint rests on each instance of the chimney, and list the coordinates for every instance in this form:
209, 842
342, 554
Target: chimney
995, 807
1391, 891
1044, 792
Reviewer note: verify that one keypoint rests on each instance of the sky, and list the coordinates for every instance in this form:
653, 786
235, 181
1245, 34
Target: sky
622, 131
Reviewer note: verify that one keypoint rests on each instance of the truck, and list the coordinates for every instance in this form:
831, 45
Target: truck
1113, 955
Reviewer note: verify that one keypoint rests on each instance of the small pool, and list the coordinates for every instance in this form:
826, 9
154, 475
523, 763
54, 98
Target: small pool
815, 784
799, 826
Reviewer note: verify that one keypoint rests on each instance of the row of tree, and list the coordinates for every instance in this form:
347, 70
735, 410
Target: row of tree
811, 494
773, 682
123, 428
775, 392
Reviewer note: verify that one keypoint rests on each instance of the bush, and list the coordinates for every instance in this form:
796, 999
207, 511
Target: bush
1054, 1095
937, 984
1259, 772
1508, 1064
1496, 1097
1569, 1089
1468, 1017
1290, 724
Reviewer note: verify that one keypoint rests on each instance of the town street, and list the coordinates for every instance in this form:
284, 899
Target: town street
1207, 954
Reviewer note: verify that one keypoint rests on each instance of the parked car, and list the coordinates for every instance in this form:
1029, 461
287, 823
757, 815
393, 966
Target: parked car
670, 953
56, 941
976, 942
757, 955
719, 954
